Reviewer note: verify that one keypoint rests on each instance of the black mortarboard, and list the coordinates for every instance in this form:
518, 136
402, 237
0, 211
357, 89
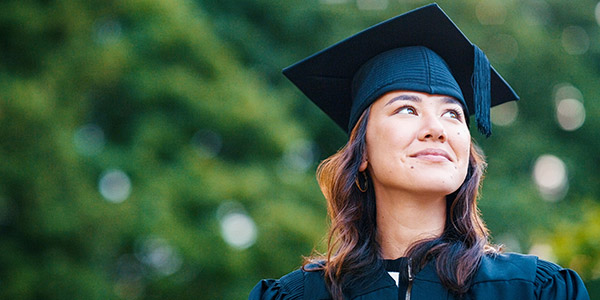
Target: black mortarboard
421, 50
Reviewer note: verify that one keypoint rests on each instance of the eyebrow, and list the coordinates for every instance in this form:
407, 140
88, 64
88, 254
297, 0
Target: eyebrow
415, 98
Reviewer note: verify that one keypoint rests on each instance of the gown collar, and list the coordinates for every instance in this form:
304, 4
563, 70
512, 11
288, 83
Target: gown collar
384, 280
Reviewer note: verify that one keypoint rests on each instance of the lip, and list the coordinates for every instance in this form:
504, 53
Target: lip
432, 154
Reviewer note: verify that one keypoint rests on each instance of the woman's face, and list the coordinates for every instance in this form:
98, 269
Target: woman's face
417, 143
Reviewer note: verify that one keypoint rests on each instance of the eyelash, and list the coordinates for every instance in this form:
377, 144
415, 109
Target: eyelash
401, 108
458, 113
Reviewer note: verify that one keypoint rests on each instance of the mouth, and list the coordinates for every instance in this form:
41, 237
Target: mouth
433, 155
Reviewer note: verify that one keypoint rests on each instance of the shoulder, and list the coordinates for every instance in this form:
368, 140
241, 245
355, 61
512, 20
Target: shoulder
529, 274
507, 266
555, 282
288, 287
304, 283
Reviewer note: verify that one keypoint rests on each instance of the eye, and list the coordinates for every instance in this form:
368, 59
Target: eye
452, 113
406, 110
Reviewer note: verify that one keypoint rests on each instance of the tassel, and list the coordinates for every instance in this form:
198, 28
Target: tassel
481, 91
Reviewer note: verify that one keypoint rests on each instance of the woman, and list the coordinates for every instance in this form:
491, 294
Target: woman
402, 193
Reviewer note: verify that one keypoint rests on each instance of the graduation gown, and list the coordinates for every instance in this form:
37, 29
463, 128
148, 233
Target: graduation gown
503, 276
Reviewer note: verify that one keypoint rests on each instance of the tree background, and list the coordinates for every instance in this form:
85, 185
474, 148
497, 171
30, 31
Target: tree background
152, 150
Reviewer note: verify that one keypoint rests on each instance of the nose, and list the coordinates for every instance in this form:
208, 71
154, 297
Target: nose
432, 129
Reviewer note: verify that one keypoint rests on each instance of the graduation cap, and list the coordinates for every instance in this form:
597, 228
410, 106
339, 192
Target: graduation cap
421, 50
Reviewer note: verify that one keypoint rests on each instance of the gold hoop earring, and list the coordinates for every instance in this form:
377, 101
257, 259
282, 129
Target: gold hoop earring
366, 183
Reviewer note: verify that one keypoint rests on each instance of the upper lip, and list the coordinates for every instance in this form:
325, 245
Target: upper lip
432, 151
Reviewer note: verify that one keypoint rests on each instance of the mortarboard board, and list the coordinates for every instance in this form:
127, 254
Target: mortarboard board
421, 50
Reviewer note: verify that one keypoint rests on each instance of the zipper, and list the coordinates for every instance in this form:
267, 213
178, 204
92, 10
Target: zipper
410, 281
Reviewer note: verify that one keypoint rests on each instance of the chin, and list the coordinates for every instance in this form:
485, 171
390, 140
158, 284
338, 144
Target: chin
441, 190
443, 184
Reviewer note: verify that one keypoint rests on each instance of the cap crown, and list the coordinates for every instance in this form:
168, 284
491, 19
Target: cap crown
409, 68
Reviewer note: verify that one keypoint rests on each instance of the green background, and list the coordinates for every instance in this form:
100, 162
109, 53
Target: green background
152, 149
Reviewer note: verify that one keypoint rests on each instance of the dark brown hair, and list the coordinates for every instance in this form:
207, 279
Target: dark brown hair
352, 247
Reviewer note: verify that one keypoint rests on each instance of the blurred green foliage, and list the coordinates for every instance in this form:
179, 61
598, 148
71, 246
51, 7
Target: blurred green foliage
152, 150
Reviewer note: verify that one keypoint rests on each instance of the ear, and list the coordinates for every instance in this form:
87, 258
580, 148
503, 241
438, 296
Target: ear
363, 166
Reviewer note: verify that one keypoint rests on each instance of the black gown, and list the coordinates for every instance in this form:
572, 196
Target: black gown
504, 276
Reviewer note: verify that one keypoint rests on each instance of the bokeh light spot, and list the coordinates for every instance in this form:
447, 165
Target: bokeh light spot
115, 186
565, 91
543, 251
550, 176
490, 12
107, 31
158, 254
570, 114
89, 140
207, 143
237, 228
509, 241
505, 114
575, 40
299, 155
536, 12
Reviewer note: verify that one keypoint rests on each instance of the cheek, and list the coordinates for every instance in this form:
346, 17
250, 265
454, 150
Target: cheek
462, 144
376, 151
380, 140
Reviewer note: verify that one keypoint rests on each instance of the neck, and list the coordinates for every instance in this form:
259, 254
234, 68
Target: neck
405, 218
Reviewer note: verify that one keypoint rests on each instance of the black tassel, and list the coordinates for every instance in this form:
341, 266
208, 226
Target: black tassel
481, 91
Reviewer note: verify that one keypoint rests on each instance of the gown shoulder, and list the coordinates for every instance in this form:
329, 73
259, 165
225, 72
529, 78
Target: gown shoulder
554, 282
288, 287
